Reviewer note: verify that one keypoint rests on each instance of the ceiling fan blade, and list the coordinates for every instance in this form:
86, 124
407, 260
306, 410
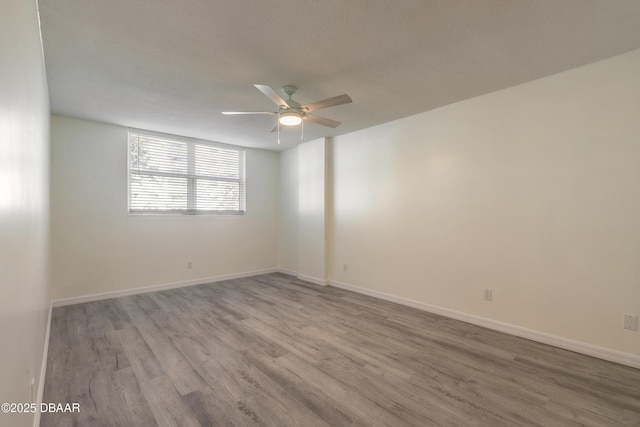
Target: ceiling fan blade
272, 95
329, 102
322, 121
247, 112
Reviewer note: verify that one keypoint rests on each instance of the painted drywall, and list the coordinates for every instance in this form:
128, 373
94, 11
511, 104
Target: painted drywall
288, 214
98, 247
531, 191
24, 206
312, 211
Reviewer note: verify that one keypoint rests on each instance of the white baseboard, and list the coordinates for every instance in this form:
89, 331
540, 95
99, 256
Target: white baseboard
542, 337
43, 369
314, 280
287, 271
154, 288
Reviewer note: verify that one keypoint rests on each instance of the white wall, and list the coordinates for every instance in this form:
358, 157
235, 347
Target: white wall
288, 215
532, 191
24, 199
98, 247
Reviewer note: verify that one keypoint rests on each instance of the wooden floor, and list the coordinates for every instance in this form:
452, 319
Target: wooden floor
274, 351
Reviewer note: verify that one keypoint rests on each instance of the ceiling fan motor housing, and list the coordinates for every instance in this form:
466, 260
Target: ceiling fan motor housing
293, 105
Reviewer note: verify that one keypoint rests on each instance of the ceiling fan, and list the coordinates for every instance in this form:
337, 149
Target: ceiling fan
292, 113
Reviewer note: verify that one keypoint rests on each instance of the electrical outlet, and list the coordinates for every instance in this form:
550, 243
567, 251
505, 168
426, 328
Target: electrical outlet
488, 294
631, 322
189, 265
345, 267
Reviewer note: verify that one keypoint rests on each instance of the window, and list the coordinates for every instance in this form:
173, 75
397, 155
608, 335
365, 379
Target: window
171, 175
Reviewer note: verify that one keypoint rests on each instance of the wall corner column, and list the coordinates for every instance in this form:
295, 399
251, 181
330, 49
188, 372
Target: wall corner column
315, 197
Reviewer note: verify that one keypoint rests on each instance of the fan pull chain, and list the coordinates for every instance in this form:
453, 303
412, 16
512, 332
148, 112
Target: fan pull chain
301, 131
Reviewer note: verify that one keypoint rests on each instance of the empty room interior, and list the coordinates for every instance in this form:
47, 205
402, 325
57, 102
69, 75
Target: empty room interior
320, 213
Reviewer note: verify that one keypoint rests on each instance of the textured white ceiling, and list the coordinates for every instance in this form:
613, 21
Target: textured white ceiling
174, 65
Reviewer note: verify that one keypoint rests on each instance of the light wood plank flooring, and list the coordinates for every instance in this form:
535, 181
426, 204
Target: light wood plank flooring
274, 351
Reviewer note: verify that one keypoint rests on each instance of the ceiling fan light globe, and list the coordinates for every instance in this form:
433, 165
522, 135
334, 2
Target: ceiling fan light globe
290, 119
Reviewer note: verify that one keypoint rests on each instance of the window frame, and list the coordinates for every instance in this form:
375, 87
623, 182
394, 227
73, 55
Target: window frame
190, 176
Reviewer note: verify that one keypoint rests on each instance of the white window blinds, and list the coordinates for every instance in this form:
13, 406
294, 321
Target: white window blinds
176, 176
